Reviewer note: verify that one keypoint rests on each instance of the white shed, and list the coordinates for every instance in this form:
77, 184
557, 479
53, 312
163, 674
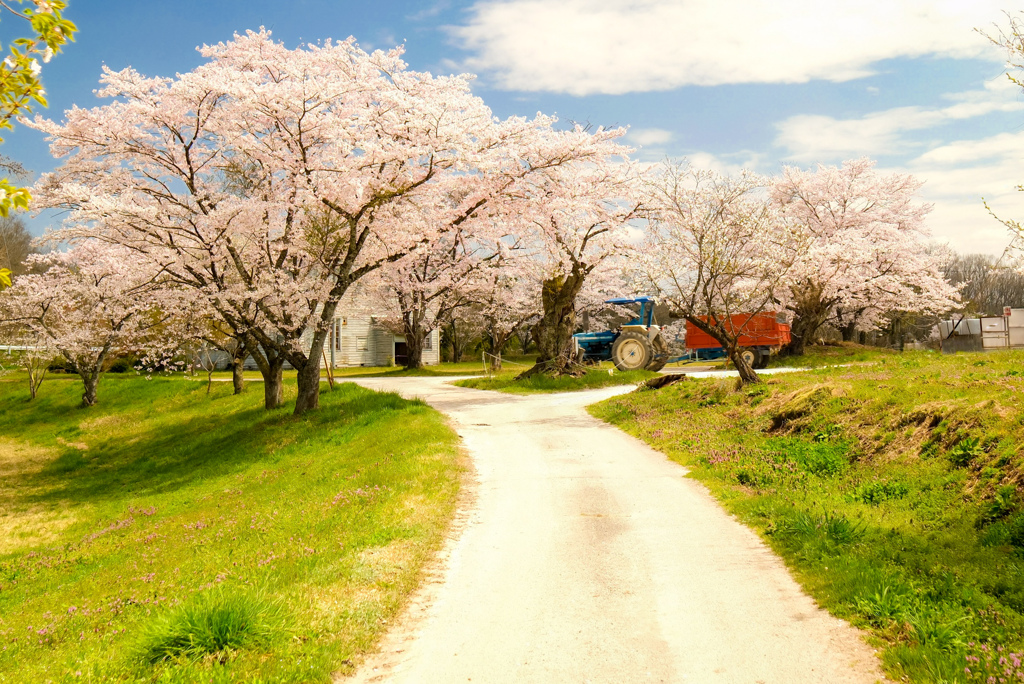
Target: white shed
359, 337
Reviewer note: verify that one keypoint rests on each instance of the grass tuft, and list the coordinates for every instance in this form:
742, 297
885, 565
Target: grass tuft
215, 623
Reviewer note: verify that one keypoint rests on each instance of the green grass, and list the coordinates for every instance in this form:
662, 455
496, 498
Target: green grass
841, 353
166, 535
514, 364
893, 491
506, 382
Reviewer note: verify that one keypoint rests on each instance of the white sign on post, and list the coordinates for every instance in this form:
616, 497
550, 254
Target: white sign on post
1007, 311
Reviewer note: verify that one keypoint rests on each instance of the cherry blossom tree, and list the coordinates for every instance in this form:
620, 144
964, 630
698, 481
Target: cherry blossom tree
34, 353
431, 284
194, 332
864, 248
270, 179
716, 246
461, 331
1011, 39
89, 304
507, 296
576, 217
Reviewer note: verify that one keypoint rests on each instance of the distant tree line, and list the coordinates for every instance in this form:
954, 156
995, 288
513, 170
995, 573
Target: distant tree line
986, 285
15, 244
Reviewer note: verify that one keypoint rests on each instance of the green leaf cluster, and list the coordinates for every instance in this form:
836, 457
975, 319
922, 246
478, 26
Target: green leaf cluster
20, 87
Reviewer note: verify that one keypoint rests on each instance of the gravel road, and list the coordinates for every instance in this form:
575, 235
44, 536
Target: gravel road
582, 555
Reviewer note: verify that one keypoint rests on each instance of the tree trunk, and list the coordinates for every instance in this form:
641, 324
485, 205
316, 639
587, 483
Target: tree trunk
846, 322
308, 381
414, 338
553, 332
498, 343
238, 368
523, 334
456, 343
36, 374
747, 374
414, 350
729, 342
308, 368
897, 332
91, 380
270, 364
811, 312
238, 377
91, 377
273, 384
805, 327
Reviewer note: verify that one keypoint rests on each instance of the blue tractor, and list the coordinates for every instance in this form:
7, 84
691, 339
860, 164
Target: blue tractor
635, 345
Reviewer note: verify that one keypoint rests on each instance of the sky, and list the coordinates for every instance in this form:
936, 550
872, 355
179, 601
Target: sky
727, 84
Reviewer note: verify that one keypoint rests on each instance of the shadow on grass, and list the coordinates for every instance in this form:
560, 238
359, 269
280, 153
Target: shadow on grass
131, 450
413, 373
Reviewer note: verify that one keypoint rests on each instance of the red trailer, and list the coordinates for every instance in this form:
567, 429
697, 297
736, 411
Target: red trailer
760, 336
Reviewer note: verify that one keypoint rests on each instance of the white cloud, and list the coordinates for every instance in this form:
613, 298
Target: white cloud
957, 176
650, 136
584, 47
814, 138
430, 11
727, 164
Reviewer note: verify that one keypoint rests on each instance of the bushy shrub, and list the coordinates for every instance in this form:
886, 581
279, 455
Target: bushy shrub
61, 365
876, 492
123, 364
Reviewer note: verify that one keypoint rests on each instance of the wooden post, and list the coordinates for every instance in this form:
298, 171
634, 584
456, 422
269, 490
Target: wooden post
330, 372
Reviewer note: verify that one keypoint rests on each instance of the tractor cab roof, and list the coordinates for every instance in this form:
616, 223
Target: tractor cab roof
631, 300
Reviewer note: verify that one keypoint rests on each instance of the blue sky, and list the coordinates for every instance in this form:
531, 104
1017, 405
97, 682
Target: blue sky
727, 83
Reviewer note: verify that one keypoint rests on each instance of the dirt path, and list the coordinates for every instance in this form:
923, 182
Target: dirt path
586, 556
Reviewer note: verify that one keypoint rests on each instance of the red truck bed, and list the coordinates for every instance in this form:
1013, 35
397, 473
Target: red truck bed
759, 330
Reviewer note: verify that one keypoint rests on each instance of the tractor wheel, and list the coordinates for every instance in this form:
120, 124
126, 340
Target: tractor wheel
631, 351
661, 354
751, 356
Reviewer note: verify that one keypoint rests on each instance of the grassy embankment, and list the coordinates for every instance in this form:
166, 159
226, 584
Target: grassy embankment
894, 491
170, 536
600, 377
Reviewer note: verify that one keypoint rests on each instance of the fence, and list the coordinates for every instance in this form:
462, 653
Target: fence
983, 334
